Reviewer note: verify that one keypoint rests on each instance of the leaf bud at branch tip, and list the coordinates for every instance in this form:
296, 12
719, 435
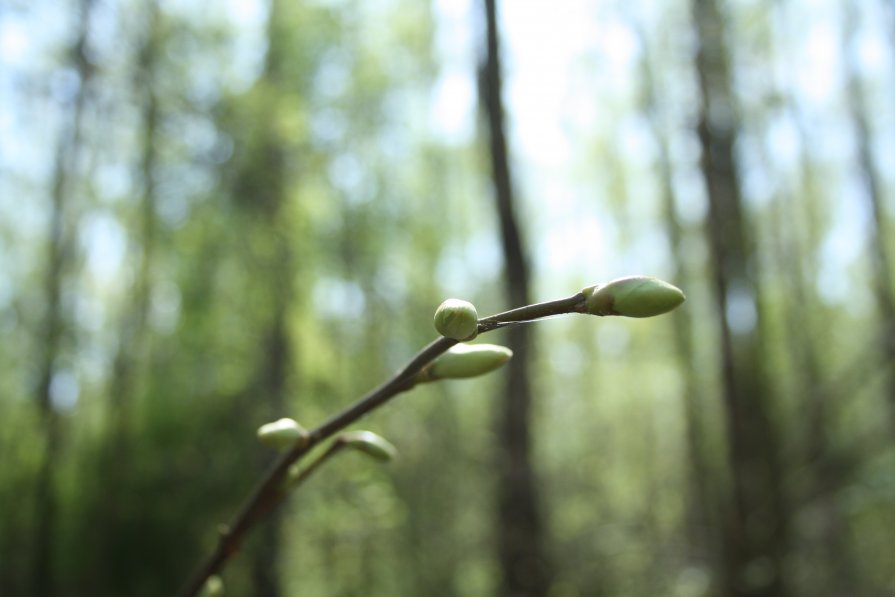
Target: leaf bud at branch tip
633, 296
468, 360
370, 444
457, 319
283, 434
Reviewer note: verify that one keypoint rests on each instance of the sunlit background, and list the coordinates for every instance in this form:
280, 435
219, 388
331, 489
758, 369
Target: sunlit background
197, 199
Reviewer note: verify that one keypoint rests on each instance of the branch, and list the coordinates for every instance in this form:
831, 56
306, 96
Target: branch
270, 490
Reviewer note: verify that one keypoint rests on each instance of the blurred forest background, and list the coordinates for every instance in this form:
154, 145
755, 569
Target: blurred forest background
214, 214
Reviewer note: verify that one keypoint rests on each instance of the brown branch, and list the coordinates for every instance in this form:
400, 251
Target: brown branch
270, 491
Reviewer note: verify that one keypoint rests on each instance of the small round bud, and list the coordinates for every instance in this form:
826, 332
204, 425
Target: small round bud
634, 296
468, 360
213, 587
457, 319
370, 444
282, 435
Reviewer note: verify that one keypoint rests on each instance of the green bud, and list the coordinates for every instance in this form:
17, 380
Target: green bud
468, 360
213, 587
370, 444
634, 296
457, 319
283, 434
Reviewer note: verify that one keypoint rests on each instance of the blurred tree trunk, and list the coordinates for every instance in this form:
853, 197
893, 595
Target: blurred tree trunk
830, 538
702, 513
525, 569
130, 355
131, 345
873, 189
61, 239
796, 232
264, 188
755, 530
272, 387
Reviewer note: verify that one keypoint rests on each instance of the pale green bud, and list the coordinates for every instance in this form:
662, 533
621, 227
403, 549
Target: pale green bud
457, 319
370, 444
468, 360
634, 296
213, 587
283, 434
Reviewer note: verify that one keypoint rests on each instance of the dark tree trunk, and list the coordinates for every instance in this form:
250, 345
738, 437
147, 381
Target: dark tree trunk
755, 531
61, 239
524, 565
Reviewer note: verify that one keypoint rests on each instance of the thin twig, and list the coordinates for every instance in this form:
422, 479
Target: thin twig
334, 448
270, 490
